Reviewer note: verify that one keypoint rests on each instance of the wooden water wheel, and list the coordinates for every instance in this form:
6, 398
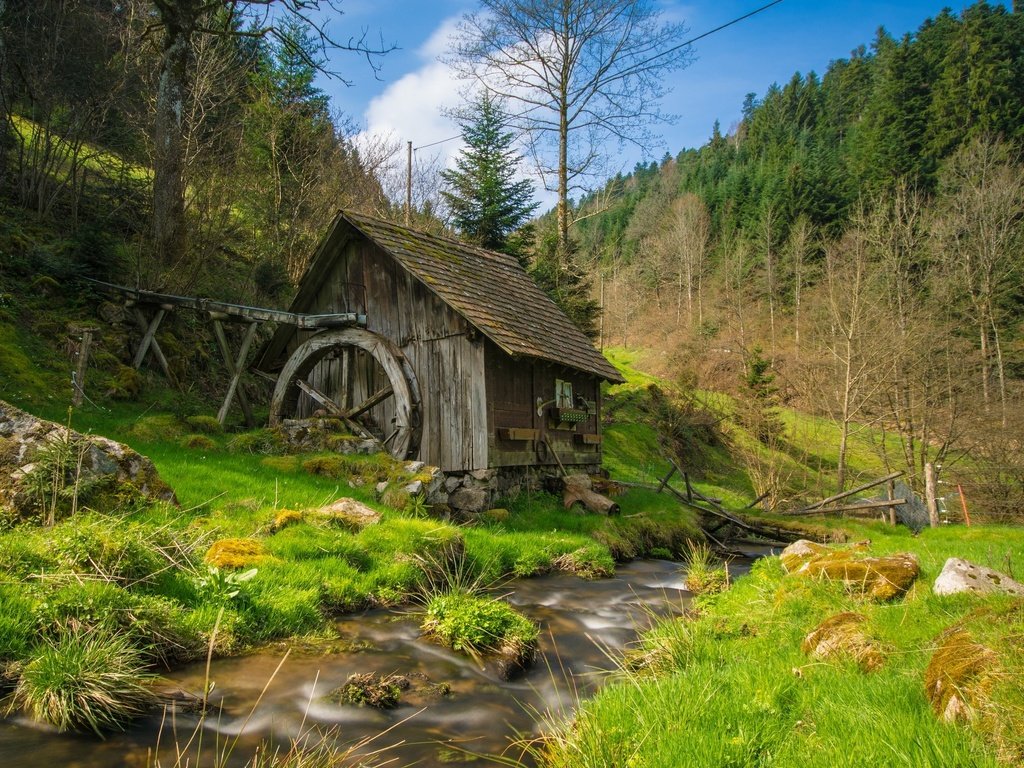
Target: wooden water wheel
378, 397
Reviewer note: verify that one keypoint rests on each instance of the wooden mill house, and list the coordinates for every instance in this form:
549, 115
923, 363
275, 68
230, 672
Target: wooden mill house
456, 357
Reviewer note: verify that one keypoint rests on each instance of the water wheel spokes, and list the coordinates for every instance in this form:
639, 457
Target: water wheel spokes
403, 441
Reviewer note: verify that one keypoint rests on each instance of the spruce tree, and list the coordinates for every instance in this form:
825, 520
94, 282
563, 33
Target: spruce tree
488, 204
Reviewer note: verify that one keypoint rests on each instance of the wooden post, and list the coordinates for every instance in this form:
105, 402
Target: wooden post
236, 367
78, 383
963, 504
891, 493
149, 340
929, 495
408, 188
689, 488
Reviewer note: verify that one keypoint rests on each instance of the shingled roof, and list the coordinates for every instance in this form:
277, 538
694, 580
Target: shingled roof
490, 290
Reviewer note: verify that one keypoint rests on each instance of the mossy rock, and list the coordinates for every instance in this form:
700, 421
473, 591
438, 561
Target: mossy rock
235, 553
205, 425
495, 515
877, 578
842, 637
975, 674
800, 553
198, 443
125, 383
370, 689
285, 518
483, 626
348, 513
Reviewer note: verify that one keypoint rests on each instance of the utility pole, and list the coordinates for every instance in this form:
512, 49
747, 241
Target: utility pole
408, 187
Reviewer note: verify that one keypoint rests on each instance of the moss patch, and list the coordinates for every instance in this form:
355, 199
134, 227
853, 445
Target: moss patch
841, 637
235, 553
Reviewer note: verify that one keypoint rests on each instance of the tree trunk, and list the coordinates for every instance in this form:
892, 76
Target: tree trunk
930, 495
1000, 370
179, 18
563, 181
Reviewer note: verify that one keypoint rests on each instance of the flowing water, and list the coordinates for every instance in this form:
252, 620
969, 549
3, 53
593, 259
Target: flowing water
583, 624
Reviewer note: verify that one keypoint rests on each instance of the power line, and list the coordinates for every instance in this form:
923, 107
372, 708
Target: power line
691, 41
737, 20
451, 138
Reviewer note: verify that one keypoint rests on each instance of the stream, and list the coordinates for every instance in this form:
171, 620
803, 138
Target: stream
582, 624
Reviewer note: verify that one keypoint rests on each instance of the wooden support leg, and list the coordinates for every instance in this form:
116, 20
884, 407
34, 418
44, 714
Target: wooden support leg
236, 367
149, 341
83, 366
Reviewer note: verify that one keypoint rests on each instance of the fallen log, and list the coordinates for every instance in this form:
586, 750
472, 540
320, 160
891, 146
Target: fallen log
579, 490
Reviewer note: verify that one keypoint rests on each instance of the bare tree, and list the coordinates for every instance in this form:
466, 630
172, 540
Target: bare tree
690, 237
980, 228
801, 236
583, 71
854, 349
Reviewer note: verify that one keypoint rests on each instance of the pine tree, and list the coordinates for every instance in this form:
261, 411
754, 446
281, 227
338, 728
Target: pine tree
488, 204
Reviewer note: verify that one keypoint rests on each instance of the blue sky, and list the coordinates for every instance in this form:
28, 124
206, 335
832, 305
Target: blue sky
405, 100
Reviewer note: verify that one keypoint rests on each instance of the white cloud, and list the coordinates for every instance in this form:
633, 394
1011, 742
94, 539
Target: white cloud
412, 108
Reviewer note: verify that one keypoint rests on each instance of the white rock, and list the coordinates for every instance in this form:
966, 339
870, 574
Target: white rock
962, 576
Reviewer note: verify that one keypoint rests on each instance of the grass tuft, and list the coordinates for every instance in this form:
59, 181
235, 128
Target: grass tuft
85, 682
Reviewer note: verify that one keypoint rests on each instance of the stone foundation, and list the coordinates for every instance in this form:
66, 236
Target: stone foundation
469, 493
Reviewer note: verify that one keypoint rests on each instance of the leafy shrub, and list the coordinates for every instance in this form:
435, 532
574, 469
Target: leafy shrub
85, 681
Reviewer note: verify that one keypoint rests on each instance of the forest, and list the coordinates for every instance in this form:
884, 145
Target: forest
861, 231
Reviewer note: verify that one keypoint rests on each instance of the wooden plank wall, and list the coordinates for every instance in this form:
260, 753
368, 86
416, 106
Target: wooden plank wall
514, 387
446, 358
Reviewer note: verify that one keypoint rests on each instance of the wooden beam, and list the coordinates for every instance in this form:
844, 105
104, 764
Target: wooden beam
334, 409
375, 399
845, 494
666, 478
242, 312
850, 507
320, 397
149, 340
235, 369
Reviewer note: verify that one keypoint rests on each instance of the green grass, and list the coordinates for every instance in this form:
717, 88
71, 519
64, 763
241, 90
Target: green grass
85, 681
476, 624
733, 688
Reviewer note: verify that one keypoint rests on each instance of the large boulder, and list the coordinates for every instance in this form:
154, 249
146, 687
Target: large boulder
349, 513
46, 467
963, 576
877, 578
